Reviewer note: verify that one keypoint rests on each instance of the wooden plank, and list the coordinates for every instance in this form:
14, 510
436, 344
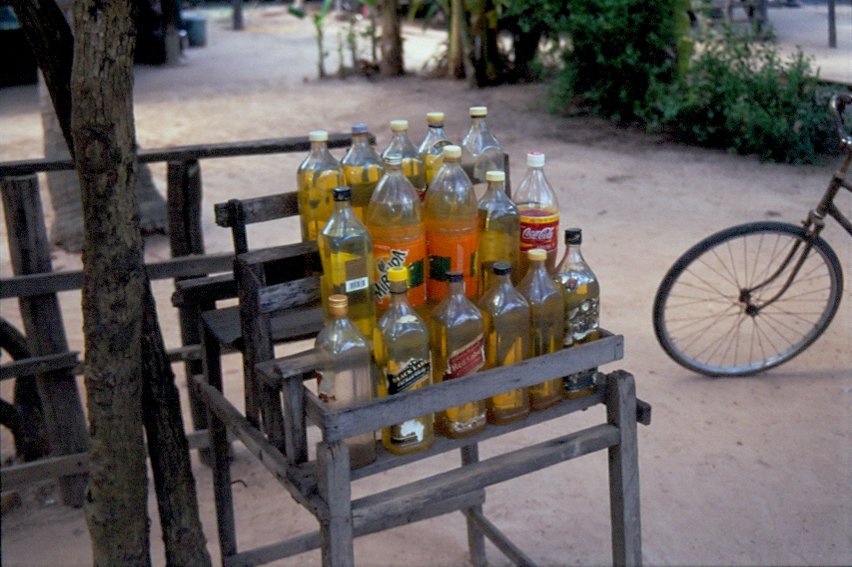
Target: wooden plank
498, 538
30, 285
475, 535
258, 209
287, 295
373, 415
298, 323
204, 290
76, 464
334, 488
29, 251
424, 493
39, 365
624, 471
281, 253
193, 152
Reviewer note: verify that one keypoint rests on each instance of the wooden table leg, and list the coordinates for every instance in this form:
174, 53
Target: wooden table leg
475, 537
334, 488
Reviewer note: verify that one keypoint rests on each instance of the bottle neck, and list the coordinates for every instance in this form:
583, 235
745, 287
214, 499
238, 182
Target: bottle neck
393, 168
495, 190
503, 280
360, 140
457, 288
539, 269
319, 149
398, 298
342, 207
574, 254
478, 123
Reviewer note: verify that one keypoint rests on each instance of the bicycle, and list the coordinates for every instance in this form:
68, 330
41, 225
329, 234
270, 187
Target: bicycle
754, 296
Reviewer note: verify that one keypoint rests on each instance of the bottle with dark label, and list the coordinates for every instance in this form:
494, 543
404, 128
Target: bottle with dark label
581, 293
402, 353
506, 316
499, 229
539, 211
547, 328
456, 336
344, 377
346, 253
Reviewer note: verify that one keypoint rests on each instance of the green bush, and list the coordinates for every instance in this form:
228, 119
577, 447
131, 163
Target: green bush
619, 51
741, 94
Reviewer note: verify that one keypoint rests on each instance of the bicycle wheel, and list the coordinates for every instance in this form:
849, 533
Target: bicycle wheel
706, 323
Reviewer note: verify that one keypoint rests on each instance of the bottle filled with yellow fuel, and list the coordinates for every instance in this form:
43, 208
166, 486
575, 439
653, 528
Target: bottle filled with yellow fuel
316, 178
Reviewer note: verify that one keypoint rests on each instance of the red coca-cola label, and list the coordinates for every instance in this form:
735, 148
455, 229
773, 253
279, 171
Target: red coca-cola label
539, 229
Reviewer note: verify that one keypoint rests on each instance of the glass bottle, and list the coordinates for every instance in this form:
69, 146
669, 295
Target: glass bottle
452, 220
346, 253
499, 230
481, 150
412, 161
507, 340
362, 168
395, 223
316, 178
547, 324
402, 353
581, 293
458, 349
343, 381
432, 145
539, 210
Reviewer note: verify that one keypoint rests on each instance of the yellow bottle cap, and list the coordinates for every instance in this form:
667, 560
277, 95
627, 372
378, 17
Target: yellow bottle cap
398, 274
318, 136
435, 118
537, 255
478, 111
452, 151
399, 125
495, 175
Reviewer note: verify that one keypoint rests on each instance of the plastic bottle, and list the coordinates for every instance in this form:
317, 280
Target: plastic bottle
395, 223
432, 145
346, 253
412, 162
452, 221
499, 230
507, 340
362, 168
316, 178
345, 380
581, 293
456, 336
481, 150
547, 324
539, 210
402, 353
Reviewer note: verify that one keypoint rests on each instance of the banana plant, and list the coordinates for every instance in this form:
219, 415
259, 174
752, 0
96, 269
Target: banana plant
318, 19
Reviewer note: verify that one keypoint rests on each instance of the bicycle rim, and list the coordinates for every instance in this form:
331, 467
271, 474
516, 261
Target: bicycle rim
701, 322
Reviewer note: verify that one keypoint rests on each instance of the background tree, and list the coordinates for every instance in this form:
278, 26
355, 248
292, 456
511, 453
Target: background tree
128, 379
391, 44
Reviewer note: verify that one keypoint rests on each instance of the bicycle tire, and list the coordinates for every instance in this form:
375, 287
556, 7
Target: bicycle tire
701, 323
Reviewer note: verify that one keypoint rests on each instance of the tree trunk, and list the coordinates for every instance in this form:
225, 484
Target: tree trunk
113, 279
392, 60
455, 52
487, 64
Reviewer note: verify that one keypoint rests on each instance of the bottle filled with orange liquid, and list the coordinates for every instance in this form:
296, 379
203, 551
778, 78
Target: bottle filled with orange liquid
547, 328
452, 222
581, 294
316, 178
456, 336
499, 230
539, 210
431, 148
346, 253
404, 360
362, 168
412, 161
507, 340
396, 225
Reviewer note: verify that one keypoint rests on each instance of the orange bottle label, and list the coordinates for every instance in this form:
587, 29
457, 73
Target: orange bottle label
411, 254
539, 230
451, 253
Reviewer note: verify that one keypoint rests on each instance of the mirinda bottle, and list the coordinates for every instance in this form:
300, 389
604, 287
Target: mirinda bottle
316, 178
395, 223
452, 221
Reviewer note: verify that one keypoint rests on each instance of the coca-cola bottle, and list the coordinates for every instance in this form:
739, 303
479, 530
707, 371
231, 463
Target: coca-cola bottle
539, 212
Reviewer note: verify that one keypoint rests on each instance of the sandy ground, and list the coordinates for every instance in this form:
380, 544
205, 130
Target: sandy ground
733, 471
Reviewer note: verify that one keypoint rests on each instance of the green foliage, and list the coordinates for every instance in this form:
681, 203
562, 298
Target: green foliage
742, 95
620, 51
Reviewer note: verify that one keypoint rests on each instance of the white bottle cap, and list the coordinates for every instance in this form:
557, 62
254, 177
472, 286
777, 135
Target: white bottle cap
451, 151
535, 159
318, 136
434, 118
495, 175
399, 125
478, 111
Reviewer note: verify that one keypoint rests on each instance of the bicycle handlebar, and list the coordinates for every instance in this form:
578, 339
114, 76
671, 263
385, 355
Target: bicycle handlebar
838, 103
